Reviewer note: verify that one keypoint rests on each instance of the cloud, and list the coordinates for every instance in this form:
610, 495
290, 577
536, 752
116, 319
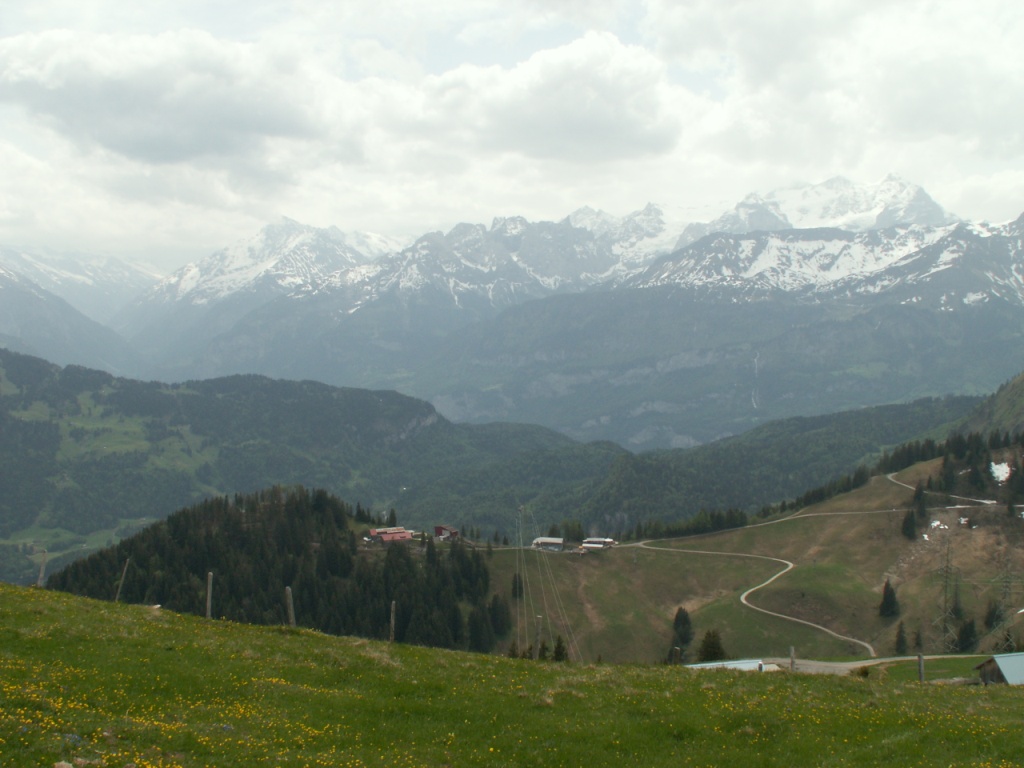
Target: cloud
170, 98
594, 100
861, 87
145, 120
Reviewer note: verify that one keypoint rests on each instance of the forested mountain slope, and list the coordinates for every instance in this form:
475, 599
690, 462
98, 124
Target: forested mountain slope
91, 457
257, 544
88, 454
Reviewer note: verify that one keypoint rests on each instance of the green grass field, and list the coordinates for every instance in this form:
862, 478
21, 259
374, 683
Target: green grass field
617, 605
110, 685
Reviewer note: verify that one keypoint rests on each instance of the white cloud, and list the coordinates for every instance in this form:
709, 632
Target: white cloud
594, 100
183, 123
174, 97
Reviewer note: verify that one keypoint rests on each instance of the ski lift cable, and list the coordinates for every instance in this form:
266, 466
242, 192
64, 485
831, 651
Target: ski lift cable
562, 617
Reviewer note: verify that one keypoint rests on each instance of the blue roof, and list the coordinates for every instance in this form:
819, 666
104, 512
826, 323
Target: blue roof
746, 665
1011, 665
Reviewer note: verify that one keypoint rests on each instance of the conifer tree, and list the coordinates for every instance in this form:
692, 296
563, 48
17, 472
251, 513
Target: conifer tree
967, 637
901, 641
889, 607
909, 527
561, 653
711, 648
517, 586
682, 634
542, 651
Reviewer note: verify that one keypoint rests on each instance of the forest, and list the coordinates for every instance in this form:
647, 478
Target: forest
257, 544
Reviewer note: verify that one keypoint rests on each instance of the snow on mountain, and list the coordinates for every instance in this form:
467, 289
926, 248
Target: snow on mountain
943, 266
370, 244
840, 203
598, 222
785, 261
837, 203
95, 286
515, 259
283, 258
495, 267
36, 321
657, 230
11, 280
813, 238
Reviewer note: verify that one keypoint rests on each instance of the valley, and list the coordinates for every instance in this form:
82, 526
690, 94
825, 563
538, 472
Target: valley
640, 330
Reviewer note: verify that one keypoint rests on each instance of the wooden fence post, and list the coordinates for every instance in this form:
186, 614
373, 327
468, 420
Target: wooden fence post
290, 605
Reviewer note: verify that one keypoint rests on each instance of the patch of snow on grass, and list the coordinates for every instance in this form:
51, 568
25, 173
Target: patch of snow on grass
1001, 472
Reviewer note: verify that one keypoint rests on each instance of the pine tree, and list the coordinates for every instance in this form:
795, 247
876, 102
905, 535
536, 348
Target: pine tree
561, 653
500, 615
966, 637
889, 607
901, 641
517, 586
542, 651
682, 627
993, 614
711, 648
682, 635
909, 528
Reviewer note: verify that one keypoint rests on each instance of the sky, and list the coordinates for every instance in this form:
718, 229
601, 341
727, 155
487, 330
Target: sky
161, 131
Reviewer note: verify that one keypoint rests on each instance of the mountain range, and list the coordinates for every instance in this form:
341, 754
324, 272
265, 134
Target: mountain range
642, 329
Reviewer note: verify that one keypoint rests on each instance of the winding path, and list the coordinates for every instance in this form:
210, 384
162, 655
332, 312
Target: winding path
789, 566
743, 598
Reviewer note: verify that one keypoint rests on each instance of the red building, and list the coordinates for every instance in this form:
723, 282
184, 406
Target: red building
445, 532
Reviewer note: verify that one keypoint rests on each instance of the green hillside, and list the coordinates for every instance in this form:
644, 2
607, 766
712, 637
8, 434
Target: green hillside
779, 460
813, 575
965, 552
1003, 412
89, 458
112, 685
258, 545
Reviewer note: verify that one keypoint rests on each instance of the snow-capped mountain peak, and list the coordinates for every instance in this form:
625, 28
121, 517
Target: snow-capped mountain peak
95, 286
282, 257
840, 203
596, 221
835, 203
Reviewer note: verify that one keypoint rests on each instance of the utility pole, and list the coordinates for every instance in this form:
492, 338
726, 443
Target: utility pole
949, 601
120, 582
209, 593
42, 571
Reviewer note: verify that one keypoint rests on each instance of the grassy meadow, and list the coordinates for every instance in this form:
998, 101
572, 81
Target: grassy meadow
617, 605
103, 684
